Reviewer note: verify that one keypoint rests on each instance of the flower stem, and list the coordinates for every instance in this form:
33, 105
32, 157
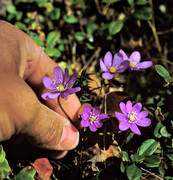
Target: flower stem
68, 117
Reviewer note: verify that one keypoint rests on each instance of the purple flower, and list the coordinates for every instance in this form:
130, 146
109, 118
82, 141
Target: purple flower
111, 66
92, 118
61, 84
132, 116
134, 61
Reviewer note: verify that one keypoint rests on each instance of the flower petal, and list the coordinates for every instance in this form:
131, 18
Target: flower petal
144, 122
117, 59
98, 124
103, 116
72, 80
135, 56
102, 66
48, 83
135, 129
145, 64
66, 76
85, 116
137, 107
129, 106
65, 93
123, 66
58, 75
87, 108
107, 75
74, 90
142, 114
123, 108
96, 111
125, 57
108, 59
124, 125
50, 95
93, 128
120, 116
85, 123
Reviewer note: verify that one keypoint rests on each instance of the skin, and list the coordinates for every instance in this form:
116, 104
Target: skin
22, 112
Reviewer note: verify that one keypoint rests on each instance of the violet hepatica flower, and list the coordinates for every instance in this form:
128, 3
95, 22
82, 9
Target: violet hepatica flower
110, 66
61, 85
134, 61
132, 116
92, 118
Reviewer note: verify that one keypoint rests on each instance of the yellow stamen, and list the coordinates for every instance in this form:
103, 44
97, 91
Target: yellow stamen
112, 69
132, 64
60, 88
131, 118
92, 119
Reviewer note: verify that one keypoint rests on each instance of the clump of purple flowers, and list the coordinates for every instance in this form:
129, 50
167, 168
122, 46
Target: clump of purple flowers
61, 85
92, 118
134, 61
110, 66
132, 116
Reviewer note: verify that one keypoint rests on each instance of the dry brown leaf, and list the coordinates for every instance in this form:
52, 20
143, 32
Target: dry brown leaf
113, 100
95, 85
101, 155
43, 168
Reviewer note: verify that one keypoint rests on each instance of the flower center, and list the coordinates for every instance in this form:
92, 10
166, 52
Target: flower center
92, 119
132, 64
60, 88
112, 69
132, 117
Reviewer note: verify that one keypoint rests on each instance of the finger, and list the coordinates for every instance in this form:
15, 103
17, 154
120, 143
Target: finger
22, 113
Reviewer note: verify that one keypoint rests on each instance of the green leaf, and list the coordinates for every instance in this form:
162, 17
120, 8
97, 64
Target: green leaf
70, 19
163, 72
152, 161
55, 14
143, 14
164, 132
110, 1
52, 39
52, 52
122, 167
141, 2
11, 9
147, 148
115, 27
125, 155
157, 130
89, 46
4, 166
26, 173
133, 172
80, 36
91, 27
170, 156
131, 2
129, 137
38, 41
2, 154
137, 158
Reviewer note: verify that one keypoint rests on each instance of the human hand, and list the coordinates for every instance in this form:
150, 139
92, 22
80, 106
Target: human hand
22, 67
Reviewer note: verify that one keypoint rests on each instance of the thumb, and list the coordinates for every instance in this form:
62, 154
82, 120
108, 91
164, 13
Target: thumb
52, 131
42, 126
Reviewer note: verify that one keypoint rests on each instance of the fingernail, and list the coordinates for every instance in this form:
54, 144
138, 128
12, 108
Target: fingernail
70, 138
